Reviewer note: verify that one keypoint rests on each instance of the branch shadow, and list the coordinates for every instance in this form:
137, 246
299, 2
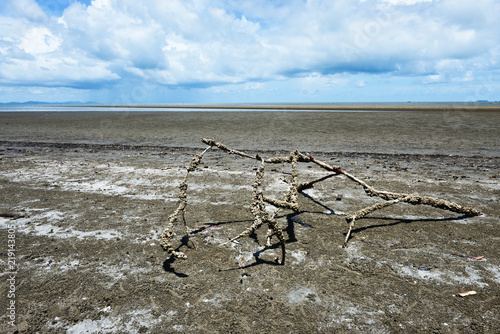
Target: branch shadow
200, 229
397, 221
167, 264
330, 211
216, 224
292, 219
258, 261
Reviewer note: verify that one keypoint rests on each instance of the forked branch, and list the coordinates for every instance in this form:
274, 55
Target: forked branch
290, 199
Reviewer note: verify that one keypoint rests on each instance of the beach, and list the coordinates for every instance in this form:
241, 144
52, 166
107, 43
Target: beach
85, 196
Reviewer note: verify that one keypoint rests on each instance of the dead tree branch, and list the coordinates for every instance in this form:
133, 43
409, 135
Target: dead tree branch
290, 199
168, 233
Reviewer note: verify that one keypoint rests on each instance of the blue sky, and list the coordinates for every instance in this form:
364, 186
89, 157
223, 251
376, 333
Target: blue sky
255, 51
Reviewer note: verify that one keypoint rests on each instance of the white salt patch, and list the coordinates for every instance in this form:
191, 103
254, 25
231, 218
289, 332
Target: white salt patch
51, 265
421, 274
222, 203
276, 185
216, 300
68, 266
350, 194
495, 270
224, 188
46, 229
242, 173
493, 198
103, 186
50, 230
352, 316
233, 187
103, 325
353, 252
178, 328
472, 276
469, 220
109, 179
152, 197
18, 176
118, 272
29, 201
245, 257
270, 209
299, 295
52, 215
299, 256
130, 322
412, 217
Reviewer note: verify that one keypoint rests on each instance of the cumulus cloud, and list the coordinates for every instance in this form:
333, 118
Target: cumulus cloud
405, 2
204, 43
360, 84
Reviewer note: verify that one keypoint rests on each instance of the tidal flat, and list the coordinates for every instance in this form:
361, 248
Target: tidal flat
89, 194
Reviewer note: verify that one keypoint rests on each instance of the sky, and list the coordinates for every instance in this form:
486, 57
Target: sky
249, 51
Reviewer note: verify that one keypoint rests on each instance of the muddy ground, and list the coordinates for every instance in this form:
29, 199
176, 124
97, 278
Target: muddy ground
88, 195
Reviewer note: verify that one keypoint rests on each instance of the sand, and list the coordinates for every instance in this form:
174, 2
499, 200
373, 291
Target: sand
88, 194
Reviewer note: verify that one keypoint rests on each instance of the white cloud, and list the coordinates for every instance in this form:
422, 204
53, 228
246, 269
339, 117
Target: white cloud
360, 84
38, 41
26, 9
405, 2
200, 43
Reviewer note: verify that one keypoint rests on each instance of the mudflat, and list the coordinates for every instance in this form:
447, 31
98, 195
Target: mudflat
85, 196
428, 132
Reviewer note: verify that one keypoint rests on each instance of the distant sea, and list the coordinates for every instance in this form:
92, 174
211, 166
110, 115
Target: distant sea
321, 107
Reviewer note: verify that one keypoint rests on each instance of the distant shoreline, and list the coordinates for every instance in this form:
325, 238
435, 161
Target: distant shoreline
311, 107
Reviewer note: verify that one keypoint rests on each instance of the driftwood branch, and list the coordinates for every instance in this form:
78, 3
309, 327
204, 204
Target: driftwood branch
290, 199
168, 234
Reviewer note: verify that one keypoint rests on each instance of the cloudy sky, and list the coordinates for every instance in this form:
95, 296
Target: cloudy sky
229, 51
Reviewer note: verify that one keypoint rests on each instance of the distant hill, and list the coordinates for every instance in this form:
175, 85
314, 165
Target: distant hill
52, 103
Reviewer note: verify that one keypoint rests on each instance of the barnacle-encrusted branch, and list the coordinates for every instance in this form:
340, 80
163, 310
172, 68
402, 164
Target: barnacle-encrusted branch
168, 233
290, 200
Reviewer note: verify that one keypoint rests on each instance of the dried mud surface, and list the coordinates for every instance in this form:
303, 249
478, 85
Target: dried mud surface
89, 194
